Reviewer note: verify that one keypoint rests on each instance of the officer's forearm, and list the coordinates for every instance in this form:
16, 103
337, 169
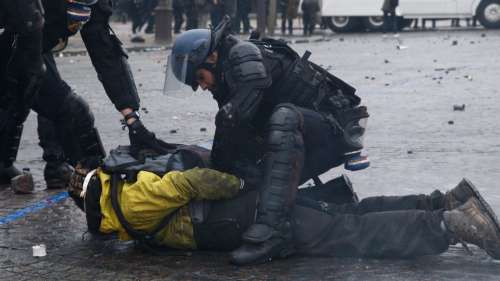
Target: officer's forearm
110, 60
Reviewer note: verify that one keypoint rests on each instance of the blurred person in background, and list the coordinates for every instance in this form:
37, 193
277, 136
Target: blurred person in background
310, 8
178, 10
289, 10
220, 8
390, 21
243, 8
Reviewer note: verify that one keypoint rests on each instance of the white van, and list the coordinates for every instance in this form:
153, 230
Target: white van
351, 15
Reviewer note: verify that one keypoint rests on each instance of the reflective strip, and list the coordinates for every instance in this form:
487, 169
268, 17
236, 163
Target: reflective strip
86, 182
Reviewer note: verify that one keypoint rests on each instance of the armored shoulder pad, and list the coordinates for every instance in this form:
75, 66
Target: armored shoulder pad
246, 63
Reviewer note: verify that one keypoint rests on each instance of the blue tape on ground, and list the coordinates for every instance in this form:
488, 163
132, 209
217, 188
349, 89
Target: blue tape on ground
34, 208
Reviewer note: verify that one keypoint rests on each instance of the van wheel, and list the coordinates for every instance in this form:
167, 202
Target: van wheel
374, 23
343, 24
488, 13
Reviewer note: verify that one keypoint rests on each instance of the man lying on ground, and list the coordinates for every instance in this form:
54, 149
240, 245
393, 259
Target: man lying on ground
181, 206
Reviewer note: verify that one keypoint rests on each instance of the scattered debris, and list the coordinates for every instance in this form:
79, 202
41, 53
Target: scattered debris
173, 131
203, 129
458, 107
140, 85
410, 152
301, 41
386, 61
175, 117
145, 110
454, 43
341, 39
483, 35
468, 77
139, 69
39, 250
387, 84
451, 122
23, 183
373, 78
472, 42
137, 39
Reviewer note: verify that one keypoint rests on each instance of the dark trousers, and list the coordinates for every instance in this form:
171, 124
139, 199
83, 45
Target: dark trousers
309, 22
242, 17
284, 20
191, 18
376, 227
216, 14
178, 18
323, 149
390, 21
57, 135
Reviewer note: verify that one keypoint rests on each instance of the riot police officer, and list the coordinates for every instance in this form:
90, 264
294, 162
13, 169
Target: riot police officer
277, 109
55, 99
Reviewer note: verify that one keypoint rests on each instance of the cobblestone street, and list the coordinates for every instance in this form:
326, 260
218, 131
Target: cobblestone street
415, 140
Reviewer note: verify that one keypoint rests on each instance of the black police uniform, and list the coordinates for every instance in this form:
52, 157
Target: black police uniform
21, 71
285, 111
57, 102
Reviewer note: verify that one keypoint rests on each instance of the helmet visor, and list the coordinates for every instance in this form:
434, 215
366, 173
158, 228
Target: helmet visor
176, 79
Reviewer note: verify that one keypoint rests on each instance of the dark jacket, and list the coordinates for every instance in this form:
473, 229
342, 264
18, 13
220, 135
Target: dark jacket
104, 48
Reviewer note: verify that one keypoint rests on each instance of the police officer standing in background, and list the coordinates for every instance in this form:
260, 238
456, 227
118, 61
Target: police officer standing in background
278, 112
55, 100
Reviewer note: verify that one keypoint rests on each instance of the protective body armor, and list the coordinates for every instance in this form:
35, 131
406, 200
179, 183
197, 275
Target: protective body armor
257, 76
294, 79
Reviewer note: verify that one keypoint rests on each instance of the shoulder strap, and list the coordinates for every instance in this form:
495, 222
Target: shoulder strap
140, 236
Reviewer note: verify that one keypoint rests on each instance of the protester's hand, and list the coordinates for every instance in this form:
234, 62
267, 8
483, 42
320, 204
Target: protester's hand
142, 138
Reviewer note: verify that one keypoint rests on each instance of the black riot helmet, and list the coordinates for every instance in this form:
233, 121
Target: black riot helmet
190, 51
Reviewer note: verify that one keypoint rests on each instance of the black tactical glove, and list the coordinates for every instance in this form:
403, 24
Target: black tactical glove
251, 174
141, 138
226, 117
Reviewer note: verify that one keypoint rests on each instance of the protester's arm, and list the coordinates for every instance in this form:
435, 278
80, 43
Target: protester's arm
199, 184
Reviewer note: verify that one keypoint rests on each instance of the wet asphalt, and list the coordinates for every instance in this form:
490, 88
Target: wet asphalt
416, 141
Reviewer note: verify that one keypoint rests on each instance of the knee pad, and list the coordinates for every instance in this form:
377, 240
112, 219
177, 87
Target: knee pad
77, 111
284, 130
286, 117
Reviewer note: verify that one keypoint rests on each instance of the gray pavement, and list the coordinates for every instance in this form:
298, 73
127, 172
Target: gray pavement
410, 93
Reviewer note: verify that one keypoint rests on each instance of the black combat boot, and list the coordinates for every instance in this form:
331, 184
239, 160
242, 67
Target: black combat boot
475, 223
461, 193
9, 145
57, 172
271, 236
7, 172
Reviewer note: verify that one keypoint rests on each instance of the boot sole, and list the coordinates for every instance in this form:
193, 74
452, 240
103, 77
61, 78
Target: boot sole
487, 208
